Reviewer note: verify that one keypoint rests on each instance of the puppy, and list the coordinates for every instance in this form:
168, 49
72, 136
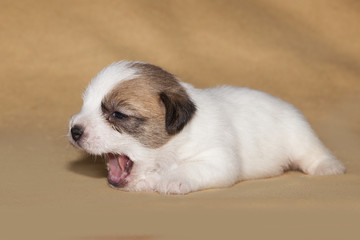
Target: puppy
160, 134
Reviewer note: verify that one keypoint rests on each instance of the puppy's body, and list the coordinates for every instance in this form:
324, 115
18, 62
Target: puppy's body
163, 135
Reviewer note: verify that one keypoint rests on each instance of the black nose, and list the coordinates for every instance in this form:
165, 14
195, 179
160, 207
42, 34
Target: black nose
76, 133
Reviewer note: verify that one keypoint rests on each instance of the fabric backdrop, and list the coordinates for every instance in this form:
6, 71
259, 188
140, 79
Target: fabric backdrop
305, 52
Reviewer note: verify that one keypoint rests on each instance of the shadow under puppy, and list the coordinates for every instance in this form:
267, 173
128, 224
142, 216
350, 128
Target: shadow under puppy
161, 134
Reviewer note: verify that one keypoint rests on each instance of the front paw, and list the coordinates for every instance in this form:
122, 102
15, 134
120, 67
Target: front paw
172, 186
142, 185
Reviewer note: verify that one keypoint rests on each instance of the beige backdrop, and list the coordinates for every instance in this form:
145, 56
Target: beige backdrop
305, 52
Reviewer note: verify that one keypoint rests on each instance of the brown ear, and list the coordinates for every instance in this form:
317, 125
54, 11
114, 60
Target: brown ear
179, 111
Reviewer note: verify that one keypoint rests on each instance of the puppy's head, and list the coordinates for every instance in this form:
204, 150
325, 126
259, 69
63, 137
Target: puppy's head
127, 107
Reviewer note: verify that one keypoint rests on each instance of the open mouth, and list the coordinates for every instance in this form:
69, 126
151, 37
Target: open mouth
119, 167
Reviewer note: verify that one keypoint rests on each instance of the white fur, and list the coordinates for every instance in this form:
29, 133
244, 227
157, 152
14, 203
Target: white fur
236, 134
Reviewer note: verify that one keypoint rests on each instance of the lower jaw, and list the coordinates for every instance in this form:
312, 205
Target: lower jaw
113, 184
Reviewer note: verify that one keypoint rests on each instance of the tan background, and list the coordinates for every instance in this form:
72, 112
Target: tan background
305, 52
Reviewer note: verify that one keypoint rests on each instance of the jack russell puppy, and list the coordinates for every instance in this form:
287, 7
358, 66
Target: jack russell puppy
160, 134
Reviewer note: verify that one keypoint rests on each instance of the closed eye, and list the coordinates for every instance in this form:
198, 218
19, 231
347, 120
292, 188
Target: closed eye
119, 115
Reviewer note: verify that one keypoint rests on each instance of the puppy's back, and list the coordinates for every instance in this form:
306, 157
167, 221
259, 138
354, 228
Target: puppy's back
272, 135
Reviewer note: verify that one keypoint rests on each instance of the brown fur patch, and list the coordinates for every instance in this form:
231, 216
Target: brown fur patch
151, 108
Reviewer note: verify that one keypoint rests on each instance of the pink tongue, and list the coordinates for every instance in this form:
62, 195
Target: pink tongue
117, 165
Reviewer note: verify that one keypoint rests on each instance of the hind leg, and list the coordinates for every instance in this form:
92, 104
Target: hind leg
319, 161
328, 166
309, 154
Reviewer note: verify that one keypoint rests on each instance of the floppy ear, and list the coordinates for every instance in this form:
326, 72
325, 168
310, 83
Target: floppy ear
179, 111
